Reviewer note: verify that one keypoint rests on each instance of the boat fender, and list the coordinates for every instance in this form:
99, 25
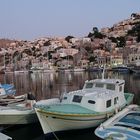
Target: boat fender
101, 126
30, 96
60, 99
107, 115
116, 110
28, 105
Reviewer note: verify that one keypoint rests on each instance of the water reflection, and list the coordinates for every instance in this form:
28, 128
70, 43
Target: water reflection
49, 85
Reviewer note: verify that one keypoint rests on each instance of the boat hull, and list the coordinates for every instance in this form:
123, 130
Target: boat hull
17, 117
54, 123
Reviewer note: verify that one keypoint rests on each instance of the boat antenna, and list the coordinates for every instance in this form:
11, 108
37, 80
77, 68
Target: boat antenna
103, 73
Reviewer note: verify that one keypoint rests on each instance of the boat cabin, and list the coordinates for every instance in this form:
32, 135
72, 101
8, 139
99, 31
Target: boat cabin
100, 95
115, 85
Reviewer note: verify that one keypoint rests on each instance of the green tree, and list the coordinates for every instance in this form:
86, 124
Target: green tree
99, 35
68, 38
88, 49
138, 37
121, 41
92, 59
95, 30
113, 39
96, 33
90, 34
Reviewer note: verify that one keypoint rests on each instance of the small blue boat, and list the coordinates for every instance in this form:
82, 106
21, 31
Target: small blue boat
7, 89
123, 126
7, 86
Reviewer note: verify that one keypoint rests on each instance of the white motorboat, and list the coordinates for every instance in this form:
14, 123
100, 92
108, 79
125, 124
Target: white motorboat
18, 113
98, 100
125, 125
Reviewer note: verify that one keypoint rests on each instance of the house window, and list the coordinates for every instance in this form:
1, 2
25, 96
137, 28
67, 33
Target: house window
110, 86
116, 100
108, 103
77, 98
89, 85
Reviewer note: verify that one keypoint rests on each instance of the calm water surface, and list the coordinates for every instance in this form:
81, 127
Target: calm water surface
49, 85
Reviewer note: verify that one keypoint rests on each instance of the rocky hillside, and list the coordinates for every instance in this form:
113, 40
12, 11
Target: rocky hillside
124, 35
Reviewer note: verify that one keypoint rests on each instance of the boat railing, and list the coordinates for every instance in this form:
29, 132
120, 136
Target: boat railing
76, 91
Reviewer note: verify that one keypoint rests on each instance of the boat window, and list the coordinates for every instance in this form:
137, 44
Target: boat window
131, 118
89, 85
108, 103
127, 126
91, 102
116, 100
120, 88
65, 98
99, 85
110, 86
77, 98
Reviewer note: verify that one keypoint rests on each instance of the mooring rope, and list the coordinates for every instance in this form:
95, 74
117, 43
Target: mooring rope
53, 131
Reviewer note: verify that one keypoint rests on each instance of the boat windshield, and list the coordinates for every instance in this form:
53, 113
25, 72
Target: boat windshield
131, 118
127, 126
89, 85
100, 85
110, 86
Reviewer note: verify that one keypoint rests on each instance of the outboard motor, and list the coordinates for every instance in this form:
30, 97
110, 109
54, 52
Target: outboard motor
30, 96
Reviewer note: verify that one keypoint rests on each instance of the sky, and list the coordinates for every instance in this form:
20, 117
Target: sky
32, 19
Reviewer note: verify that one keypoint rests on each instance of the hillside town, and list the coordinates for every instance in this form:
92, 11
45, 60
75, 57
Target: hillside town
110, 46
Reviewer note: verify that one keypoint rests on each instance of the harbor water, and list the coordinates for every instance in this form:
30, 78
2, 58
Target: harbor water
50, 85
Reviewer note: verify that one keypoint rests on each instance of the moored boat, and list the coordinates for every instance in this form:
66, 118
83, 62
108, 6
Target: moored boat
7, 86
136, 69
121, 68
125, 125
6, 89
86, 108
78, 69
11, 99
18, 113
